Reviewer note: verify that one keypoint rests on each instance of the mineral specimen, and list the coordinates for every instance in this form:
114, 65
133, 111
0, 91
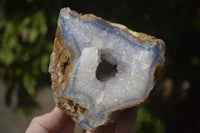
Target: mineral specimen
99, 68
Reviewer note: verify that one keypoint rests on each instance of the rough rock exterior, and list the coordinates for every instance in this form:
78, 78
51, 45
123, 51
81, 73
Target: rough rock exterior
99, 68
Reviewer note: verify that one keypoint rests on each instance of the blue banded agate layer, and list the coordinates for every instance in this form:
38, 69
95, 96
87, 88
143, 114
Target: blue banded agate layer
132, 59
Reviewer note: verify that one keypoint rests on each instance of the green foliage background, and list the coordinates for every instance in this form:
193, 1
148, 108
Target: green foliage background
27, 29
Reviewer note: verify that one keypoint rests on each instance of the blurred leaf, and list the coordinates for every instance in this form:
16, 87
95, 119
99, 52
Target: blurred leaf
6, 55
44, 62
147, 120
40, 19
29, 83
33, 34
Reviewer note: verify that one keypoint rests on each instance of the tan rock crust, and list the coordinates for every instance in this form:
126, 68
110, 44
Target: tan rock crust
71, 108
59, 63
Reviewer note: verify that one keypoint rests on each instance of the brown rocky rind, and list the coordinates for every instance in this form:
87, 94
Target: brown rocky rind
59, 63
71, 108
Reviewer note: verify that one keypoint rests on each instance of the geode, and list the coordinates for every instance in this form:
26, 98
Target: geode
100, 68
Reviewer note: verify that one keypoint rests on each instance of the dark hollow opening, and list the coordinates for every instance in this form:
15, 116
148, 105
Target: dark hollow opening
105, 70
64, 66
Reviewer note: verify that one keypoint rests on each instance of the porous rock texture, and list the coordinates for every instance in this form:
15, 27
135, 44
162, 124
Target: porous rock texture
99, 68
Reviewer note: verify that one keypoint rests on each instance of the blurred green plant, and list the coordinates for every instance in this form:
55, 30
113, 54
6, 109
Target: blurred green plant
146, 122
24, 54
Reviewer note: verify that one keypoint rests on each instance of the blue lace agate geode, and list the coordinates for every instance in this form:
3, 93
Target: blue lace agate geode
98, 67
